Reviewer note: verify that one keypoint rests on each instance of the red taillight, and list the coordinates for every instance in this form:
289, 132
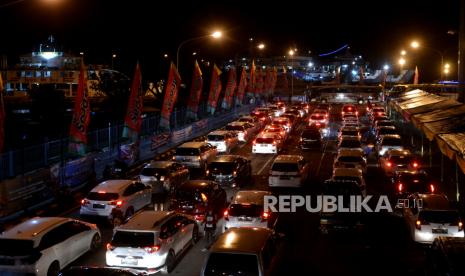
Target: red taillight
415, 164
254, 142
84, 202
318, 124
350, 108
119, 203
418, 224
356, 112
400, 187
368, 109
110, 247
379, 113
389, 164
274, 143
226, 215
199, 217
265, 215
152, 249
432, 188
460, 226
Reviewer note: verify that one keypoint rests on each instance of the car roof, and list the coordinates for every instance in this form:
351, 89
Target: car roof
227, 158
251, 197
267, 135
195, 184
236, 123
159, 164
146, 220
33, 227
344, 152
398, 152
242, 240
192, 145
395, 136
112, 186
347, 137
219, 132
348, 128
287, 158
434, 202
347, 172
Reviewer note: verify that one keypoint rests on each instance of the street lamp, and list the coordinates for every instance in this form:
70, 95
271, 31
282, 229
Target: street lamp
113, 60
261, 46
403, 53
215, 35
446, 69
401, 63
416, 45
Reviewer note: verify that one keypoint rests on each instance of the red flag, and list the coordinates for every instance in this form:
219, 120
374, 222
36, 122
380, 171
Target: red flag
268, 81
285, 83
252, 79
133, 120
230, 87
171, 94
242, 86
2, 116
259, 82
196, 91
415, 78
215, 89
362, 75
81, 117
274, 79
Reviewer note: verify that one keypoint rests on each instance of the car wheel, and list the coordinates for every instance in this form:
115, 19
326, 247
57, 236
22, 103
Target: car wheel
54, 269
169, 263
129, 213
95, 243
195, 235
116, 221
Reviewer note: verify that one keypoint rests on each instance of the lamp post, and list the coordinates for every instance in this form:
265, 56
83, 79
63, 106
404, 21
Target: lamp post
416, 45
215, 35
446, 70
113, 61
291, 53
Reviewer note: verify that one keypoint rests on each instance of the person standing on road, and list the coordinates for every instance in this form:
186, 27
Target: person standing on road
210, 227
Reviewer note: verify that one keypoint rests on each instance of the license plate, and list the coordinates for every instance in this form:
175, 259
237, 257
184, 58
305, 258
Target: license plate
98, 206
285, 177
128, 261
244, 219
263, 145
440, 231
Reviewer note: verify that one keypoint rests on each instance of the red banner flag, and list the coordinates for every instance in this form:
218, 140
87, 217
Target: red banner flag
416, 76
195, 93
215, 89
2, 115
230, 87
252, 80
81, 117
242, 86
285, 83
171, 94
259, 82
274, 79
268, 81
133, 119
362, 75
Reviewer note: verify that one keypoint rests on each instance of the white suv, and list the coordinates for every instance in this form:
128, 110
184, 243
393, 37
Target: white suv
267, 143
246, 210
43, 246
288, 171
116, 200
429, 216
195, 154
151, 241
350, 159
224, 141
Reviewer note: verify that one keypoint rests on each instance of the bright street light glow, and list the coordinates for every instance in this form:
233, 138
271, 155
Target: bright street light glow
386, 67
261, 46
401, 61
165, 55
217, 34
310, 64
403, 52
446, 70
291, 52
414, 44
114, 55
447, 65
49, 55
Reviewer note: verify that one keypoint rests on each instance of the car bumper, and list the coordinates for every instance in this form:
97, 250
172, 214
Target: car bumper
264, 150
88, 211
278, 182
152, 263
427, 237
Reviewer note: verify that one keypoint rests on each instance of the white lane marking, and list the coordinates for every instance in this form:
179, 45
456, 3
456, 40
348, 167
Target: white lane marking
266, 164
321, 159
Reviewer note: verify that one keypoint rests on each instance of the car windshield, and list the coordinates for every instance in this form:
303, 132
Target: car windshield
273, 130
215, 137
187, 151
220, 264
189, 195
102, 196
313, 133
349, 133
384, 123
413, 178
235, 128
13, 247
317, 117
248, 210
133, 239
264, 140
154, 172
246, 120
285, 167
223, 167
391, 142
439, 216
384, 131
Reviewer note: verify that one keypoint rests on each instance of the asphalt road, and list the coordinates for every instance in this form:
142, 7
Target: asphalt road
381, 247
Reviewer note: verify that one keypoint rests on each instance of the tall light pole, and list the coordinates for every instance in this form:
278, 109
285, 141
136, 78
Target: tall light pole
215, 35
113, 61
291, 53
416, 45
446, 70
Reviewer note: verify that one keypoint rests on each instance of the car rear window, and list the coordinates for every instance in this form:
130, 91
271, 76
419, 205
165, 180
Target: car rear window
133, 239
13, 247
399, 159
350, 144
264, 140
187, 151
153, 172
349, 132
439, 216
384, 131
314, 133
215, 137
285, 167
231, 264
248, 210
391, 142
102, 196
350, 159
235, 128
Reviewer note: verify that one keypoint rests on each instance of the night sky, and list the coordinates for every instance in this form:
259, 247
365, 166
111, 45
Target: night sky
144, 30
